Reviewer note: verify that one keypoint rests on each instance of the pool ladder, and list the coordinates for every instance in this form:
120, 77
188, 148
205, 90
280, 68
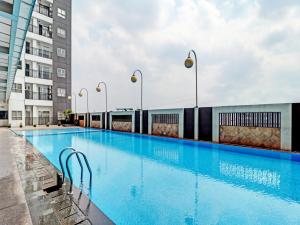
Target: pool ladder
77, 153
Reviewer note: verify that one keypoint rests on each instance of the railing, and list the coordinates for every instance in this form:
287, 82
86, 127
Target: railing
44, 31
39, 52
30, 121
87, 165
38, 74
38, 95
42, 9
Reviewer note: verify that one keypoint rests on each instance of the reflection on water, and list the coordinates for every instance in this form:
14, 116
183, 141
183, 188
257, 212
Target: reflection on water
264, 177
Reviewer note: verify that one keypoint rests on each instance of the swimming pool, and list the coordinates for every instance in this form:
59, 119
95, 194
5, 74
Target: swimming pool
141, 179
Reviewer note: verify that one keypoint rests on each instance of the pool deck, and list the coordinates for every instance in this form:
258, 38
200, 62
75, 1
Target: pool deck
13, 206
29, 190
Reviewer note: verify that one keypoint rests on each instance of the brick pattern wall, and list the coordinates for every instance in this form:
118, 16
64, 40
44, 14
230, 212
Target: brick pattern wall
96, 124
251, 136
164, 129
122, 126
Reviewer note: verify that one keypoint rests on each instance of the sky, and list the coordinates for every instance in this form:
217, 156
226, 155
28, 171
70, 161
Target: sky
248, 52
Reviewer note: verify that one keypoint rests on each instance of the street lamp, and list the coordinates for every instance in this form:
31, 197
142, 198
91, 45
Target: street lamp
188, 64
98, 89
70, 99
133, 80
87, 97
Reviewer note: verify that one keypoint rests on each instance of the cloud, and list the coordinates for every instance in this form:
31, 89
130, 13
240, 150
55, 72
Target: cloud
244, 54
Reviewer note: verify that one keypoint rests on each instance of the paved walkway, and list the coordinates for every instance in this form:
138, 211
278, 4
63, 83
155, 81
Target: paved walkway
13, 206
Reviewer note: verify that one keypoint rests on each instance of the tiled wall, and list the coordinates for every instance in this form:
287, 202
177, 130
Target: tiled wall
252, 136
163, 129
96, 124
122, 126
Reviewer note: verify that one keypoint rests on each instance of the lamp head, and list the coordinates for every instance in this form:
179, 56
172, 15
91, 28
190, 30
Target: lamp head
69, 98
133, 78
98, 89
188, 62
80, 94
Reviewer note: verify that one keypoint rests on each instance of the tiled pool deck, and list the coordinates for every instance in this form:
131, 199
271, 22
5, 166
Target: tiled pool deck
24, 176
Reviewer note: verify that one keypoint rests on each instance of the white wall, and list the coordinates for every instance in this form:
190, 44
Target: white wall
284, 109
180, 112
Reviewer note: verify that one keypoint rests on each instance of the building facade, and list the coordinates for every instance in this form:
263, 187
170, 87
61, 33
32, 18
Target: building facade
43, 81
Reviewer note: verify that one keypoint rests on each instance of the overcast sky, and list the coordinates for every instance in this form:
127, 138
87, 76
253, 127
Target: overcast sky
248, 51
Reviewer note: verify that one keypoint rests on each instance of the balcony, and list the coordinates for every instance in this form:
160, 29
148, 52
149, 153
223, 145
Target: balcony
39, 52
38, 74
43, 9
41, 30
38, 95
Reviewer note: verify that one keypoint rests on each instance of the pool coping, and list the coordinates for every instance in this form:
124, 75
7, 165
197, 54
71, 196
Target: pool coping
95, 215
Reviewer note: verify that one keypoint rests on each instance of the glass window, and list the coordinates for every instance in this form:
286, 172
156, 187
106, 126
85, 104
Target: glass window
61, 13
61, 52
61, 92
61, 32
3, 115
17, 88
61, 72
16, 115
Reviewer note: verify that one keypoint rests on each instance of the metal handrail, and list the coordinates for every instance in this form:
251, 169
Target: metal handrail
69, 173
61, 165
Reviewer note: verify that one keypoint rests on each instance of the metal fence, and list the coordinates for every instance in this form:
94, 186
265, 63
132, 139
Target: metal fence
39, 52
38, 74
165, 118
251, 119
43, 9
38, 95
41, 30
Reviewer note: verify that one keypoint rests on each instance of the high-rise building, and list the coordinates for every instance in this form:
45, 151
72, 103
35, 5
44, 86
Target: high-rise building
43, 80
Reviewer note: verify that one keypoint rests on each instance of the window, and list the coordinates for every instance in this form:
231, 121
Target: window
61, 52
16, 115
61, 13
3, 115
61, 32
60, 116
17, 88
61, 72
61, 92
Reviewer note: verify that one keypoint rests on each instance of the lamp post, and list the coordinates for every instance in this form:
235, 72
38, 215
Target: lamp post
189, 64
70, 99
87, 104
87, 97
98, 89
133, 80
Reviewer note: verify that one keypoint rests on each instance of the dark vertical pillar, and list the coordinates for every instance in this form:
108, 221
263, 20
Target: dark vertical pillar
205, 124
188, 131
103, 120
145, 121
296, 127
137, 121
107, 120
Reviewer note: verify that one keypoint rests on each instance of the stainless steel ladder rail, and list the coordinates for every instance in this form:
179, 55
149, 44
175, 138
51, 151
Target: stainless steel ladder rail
69, 173
61, 164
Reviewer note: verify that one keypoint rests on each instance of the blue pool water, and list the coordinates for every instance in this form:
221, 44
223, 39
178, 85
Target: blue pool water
151, 180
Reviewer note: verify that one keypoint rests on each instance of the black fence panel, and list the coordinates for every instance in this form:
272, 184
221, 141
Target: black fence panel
189, 123
296, 127
103, 120
145, 121
205, 124
107, 120
137, 121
